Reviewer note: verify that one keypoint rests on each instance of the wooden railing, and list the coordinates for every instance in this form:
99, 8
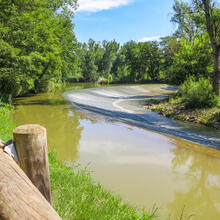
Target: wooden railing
25, 188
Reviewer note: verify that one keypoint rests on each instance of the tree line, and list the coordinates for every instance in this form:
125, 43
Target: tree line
39, 50
131, 62
189, 51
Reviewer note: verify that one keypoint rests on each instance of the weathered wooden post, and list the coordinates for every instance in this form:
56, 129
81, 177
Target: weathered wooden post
31, 146
19, 198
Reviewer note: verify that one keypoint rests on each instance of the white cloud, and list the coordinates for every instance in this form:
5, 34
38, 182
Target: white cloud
99, 5
145, 39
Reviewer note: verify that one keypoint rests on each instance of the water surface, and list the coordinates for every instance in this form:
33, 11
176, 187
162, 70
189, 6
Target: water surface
143, 166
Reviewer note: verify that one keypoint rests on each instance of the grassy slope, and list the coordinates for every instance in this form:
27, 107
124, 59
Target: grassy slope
75, 195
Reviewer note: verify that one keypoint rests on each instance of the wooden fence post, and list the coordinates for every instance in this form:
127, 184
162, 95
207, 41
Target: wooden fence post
19, 198
31, 145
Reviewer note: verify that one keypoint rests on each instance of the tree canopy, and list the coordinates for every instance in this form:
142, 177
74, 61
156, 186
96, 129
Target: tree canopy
37, 44
39, 50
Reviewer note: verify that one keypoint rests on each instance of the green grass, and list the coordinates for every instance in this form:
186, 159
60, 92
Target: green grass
74, 193
76, 196
6, 125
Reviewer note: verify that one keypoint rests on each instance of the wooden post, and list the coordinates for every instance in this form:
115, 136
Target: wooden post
31, 145
19, 198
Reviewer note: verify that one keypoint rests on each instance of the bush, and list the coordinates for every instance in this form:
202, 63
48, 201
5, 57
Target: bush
197, 94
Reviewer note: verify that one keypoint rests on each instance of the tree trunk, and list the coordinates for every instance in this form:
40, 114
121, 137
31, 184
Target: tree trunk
216, 74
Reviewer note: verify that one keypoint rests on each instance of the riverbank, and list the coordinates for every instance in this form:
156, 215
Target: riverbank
74, 193
173, 107
76, 196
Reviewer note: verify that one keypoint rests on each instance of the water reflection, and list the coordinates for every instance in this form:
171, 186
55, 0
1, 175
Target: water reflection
62, 120
201, 175
63, 125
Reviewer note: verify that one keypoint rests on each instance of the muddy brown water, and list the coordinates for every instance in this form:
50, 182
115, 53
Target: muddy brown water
143, 166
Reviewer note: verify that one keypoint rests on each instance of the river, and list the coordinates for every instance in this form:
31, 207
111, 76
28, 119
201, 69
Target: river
142, 156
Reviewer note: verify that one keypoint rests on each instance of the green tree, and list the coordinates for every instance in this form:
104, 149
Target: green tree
88, 64
120, 67
36, 45
110, 54
202, 16
188, 23
211, 12
192, 58
149, 61
169, 46
132, 51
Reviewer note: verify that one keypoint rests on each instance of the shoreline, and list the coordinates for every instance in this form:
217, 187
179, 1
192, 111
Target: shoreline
209, 117
75, 194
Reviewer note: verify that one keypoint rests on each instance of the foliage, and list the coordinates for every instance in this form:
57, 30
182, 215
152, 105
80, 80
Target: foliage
210, 11
188, 51
36, 45
192, 58
142, 60
189, 23
90, 55
38, 48
109, 55
201, 17
197, 94
132, 62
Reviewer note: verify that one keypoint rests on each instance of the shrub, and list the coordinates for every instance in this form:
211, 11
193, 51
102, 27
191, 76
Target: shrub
197, 93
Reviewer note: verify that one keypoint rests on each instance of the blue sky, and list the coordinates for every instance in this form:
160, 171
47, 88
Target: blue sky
123, 20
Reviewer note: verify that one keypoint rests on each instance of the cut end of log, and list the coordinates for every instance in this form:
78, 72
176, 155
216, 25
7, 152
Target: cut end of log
30, 129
